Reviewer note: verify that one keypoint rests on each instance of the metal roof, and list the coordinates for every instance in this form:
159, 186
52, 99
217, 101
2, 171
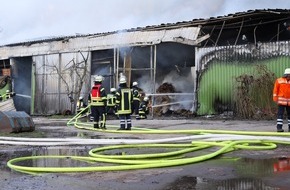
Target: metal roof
98, 42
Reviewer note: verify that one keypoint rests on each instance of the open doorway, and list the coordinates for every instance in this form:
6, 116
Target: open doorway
21, 79
103, 64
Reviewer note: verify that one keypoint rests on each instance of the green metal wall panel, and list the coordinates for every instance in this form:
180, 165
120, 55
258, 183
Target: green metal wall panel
218, 67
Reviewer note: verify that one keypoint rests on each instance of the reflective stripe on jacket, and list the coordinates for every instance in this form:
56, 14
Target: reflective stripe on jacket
136, 94
124, 100
143, 109
111, 100
281, 91
98, 98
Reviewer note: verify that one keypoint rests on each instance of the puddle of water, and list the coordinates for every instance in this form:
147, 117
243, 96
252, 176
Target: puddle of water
46, 162
192, 182
245, 167
86, 135
247, 173
229, 184
237, 174
262, 167
224, 173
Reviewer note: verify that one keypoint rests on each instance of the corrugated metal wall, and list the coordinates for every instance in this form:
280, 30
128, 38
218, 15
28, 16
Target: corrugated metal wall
218, 67
51, 90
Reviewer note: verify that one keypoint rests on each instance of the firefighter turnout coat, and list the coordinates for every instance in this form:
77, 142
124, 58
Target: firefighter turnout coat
124, 98
281, 91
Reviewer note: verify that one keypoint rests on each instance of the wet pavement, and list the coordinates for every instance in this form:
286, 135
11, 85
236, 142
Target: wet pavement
238, 170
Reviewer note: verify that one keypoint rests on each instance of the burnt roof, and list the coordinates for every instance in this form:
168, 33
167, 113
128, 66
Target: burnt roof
230, 29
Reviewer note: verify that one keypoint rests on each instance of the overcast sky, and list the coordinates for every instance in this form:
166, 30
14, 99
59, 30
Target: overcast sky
26, 20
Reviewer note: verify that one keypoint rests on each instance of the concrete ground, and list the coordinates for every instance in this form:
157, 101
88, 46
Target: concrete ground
241, 169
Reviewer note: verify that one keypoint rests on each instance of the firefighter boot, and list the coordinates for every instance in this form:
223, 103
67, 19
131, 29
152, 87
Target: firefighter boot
122, 125
279, 129
129, 124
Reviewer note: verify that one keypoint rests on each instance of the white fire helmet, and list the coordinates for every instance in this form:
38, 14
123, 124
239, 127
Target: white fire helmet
122, 80
113, 89
81, 98
287, 71
7, 91
146, 98
135, 83
98, 78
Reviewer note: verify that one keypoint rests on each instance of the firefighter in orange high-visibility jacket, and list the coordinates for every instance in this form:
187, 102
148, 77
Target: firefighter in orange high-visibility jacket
281, 95
97, 100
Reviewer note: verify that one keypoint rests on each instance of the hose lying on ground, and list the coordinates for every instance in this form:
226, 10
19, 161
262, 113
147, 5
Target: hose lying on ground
218, 141
79, 141
142, 161
145, 161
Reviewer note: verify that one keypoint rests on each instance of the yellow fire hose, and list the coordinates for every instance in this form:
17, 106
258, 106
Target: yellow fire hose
222, 142
140, 161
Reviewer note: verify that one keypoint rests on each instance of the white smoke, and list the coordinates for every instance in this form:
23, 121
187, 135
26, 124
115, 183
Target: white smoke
145, 84
182, 84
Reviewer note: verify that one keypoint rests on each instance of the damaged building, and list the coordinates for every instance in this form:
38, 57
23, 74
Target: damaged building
191, 66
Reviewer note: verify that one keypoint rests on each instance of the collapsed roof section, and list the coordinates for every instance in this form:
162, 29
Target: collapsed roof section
248, 27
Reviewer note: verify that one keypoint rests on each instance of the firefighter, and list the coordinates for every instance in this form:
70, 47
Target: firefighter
7, 95
136, 98
81, 105
144, 108
124, 99
97, 100
111, 101
281, 95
